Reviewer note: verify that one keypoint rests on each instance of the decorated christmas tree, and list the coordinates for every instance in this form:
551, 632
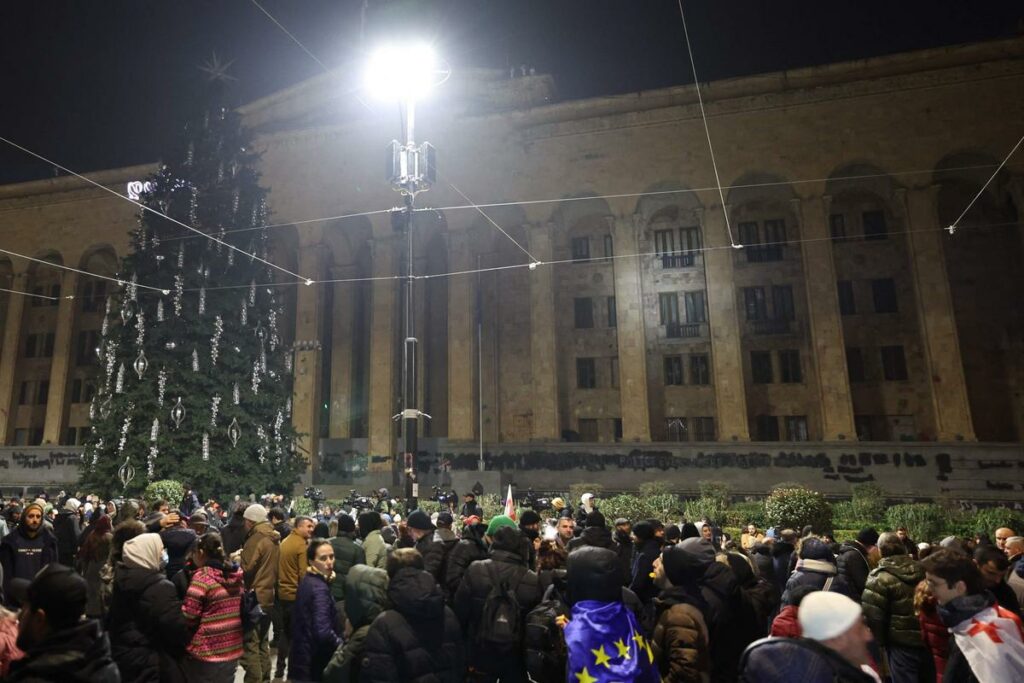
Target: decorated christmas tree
196, 382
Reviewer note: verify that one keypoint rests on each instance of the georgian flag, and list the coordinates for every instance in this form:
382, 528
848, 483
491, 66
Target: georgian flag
510, 505
993, 643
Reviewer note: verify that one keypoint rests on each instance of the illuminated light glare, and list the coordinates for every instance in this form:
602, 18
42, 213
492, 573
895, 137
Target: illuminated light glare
402, 71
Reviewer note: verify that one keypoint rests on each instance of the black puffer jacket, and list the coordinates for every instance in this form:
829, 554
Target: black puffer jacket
852, 563
419, 640
761, 555
467, 551
595, 536
148, 633
67, 528
781, 553
755, 601
643, 564
624, 549
718, 587
816, 568
80, 654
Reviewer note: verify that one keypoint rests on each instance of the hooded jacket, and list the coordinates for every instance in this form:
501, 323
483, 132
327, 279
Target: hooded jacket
468, 550
260, 557
815, 567
22, 556
754, 602
641, 583
67, 528
852, 564
680, 640
418, 640
313, 636
888, 601
789, 660
366, 592
781, 553
347, 554
595, 536
214, 602
80, 654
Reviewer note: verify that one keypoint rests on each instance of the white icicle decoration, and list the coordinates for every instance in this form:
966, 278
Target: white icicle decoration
133, 287
218, 329
161, 384
202, 300
119, 384
195, 360
181, 257
206, 446
236, 395
252, 293
179, 292
151, 461
288, 407
124, 429
245, 314
214, 410
278, 422
154, 430
140, 325
160, 311
255, 377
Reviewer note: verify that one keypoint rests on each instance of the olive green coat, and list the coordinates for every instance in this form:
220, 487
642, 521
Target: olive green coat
888, 601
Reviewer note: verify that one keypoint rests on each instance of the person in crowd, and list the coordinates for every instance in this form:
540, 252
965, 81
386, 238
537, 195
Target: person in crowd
290, 570
494, 653
469, 549
58, 644
623, 537
9, 650
233, 533
470, 508
27, 549
755, 601
993, 565
445, 539
786, 624
419, 638
783, 550
315, 634
680, 642
67, 528
121, 534
376, 550
934, 633
178, 540
904, 535
212, 609
853, 561
986, 642
279, 520
761, 556
321, 529
92, 555
595, 534
421, 531
1003, 534
751, 536
888, 602
347, 554
4, 529
148, 632
550, 557
1014, 549
260, 561
688, 530
706, 531
529, 524
718, 587
816, 567
566, 529
586, 506
365, 597
648, 548
199, 522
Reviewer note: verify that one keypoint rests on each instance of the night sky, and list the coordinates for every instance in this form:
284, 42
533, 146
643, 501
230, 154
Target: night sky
104, 83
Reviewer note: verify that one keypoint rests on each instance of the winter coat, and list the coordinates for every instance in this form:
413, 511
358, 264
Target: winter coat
624, 549
80, 654
596, 536
466, 552
213, 601
958, 669
67, 528
761, 556
233, 534
815, 567
680, 639
447, 540
418, 640
718, 587
888, 601
376, 550
177, 542
366, 592
260, 558
90, 568
786, 624
852, 564
314, 620
347, 553
291, 566
791, 660
432, 552
781, 552
147, 629
934, 634
640, 574
754, 602
22, 557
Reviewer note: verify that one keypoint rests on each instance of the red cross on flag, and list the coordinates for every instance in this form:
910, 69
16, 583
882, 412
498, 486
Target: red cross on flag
510, 505
993, 643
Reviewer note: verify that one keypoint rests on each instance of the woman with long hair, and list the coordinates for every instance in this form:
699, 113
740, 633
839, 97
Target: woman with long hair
92, 555
315, 634
213, 606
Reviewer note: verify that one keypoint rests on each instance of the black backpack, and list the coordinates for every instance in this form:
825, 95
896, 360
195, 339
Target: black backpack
546, 654
251, 612
499, 628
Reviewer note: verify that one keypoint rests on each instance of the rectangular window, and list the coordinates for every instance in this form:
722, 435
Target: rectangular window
761, 367
837, 227
689, 240
874, 225
31, 341
703, 428
35, 436
37, 300
754, 303
76, 391
71, 437
854, 364
700, 370
89, 391
665, 247
894, 364
609, 249
696, 311
767, 428
749, 235
613, 371
21, 435
54, 295
673, 370
25, 393
883, 292
796, 428
580, 248
586, 374
775, 232
588, 430
43, 393
613, 317
668, 308
617, 427
790, 371
583, 313
862, 425
782, 302
677, 429
48, 345
847, 304
85, 348
93, 296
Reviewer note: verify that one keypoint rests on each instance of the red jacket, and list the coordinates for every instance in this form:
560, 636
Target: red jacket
785, 624
935, 635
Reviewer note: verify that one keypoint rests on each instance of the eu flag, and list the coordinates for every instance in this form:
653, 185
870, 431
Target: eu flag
606, 645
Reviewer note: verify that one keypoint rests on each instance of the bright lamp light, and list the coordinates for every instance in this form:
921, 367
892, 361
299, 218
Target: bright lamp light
402, 71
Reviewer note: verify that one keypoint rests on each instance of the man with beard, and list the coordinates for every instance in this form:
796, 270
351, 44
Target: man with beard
28, 548
624, 547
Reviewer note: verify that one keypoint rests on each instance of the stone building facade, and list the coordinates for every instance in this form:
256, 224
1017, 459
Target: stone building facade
847, 315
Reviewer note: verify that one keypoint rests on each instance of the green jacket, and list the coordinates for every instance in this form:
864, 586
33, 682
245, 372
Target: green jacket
347, 553
376, 550
366, 591
888, 601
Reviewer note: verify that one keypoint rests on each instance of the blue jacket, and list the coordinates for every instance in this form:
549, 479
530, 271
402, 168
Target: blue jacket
314, 623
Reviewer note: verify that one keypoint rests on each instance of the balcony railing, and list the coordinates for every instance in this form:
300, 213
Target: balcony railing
767, 327
684, 260
682, 330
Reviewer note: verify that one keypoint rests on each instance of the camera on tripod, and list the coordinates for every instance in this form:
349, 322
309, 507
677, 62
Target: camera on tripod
446, 499
535, 502
358, 502
314, 494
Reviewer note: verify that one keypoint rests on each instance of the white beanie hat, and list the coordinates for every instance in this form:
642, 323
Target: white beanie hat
255, 513
824, 615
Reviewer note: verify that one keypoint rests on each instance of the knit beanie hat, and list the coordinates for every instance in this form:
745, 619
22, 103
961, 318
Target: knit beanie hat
867, 536
528, 517
498, 522
643, 531
346, 524
682, 567
825, 615
690, 531
595, 518
143, 551
255, 513
33, 504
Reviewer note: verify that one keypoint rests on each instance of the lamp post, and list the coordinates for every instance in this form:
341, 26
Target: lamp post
406, 73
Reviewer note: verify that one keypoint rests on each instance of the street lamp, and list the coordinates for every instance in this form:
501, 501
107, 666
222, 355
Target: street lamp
406, 72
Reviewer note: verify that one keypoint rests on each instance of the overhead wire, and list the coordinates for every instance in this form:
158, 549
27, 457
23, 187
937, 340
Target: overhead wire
61, 266
955, 224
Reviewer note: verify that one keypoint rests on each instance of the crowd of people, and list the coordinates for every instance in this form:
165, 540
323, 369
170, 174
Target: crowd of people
112, 591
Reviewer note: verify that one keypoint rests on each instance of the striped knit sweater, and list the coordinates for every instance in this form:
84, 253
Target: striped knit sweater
215, 601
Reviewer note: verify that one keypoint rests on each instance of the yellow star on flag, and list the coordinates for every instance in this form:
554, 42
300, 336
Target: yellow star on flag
639, 638
623, 648
585, 677
650, 654
602, 657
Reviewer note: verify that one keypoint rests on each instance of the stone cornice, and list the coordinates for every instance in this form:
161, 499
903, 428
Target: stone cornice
74, 188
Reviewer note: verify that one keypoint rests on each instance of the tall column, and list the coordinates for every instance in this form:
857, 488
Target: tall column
383, 309
9, 354
629, 331
543, 335
935, 314
723, 319
825, 321
308, 325
462, 348
56, 403
342, 331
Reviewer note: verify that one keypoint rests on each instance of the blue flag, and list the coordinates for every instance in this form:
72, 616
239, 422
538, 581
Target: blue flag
606, 645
